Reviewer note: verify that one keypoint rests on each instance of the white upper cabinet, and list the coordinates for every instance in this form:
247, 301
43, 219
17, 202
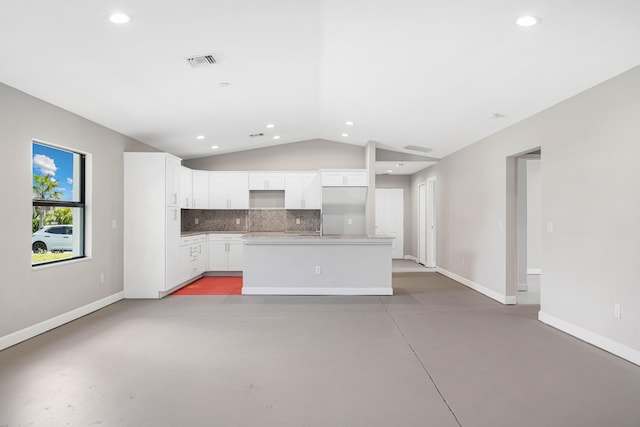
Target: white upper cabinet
172, 180
228, 190
186, 187
345, 178
194, 189
266, 181
302, 191
200, 193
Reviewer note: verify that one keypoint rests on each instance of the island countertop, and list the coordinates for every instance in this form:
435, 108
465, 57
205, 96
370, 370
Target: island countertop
262, 236
299, 264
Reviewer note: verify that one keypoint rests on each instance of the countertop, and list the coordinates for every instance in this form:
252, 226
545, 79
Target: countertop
294, 235
259, 235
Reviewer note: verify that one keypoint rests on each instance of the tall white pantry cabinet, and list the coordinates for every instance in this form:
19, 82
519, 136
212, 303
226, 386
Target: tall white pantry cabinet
151, 224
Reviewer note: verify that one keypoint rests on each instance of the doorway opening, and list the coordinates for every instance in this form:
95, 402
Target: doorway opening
389, 214
427, 223
524, 231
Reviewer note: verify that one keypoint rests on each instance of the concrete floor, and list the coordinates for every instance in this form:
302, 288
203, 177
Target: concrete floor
434, 354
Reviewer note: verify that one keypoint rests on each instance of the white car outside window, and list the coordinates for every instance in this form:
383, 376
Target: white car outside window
53, 238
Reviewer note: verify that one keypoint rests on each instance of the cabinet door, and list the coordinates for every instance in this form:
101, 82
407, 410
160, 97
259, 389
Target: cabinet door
172, 239
238, 191
217, 256
185, 263
201, 263
266, 181
172, 181
312, 191
357, 179
333, 179
294, 191
275, 181
186, 187
258, 181
235, 256
218, 191
200, 193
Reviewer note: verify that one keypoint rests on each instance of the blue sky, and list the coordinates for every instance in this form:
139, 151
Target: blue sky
58, 164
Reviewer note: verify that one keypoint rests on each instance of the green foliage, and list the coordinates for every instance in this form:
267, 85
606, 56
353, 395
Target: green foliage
44, 188
35, 221
49, 256
59, 216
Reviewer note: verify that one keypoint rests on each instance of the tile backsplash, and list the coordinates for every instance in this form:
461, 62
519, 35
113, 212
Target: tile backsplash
238, 221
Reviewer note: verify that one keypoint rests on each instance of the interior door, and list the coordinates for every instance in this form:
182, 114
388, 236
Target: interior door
422, 224
390, 217
431, 223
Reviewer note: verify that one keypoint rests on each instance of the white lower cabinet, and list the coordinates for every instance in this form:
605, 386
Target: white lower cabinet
193, 257
225, 252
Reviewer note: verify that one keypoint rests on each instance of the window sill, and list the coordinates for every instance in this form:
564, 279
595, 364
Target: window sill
61, 263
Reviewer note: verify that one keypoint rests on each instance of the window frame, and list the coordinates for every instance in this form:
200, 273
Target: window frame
80, 204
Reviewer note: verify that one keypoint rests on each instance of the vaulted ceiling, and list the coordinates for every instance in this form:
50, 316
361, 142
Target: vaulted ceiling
424, 73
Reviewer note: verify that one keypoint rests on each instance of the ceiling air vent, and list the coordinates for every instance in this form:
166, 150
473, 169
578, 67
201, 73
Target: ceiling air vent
201, 61
417, 148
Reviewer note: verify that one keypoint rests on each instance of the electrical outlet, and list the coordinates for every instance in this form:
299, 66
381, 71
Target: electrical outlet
462, 262
317, 269
349, 221
114, 223
549, 227
298, 221
616, 311
101, 277
197, 221
237, 221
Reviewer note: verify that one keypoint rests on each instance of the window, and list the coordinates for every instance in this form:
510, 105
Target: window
58, 216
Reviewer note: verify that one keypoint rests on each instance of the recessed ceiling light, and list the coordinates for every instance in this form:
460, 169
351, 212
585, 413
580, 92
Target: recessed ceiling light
528, 21
214, 147
119, 18
276, 137
349, 123
345, 134
270, 126
200, 137
389, 171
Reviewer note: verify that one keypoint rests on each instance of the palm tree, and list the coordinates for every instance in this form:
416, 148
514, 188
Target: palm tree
44, 188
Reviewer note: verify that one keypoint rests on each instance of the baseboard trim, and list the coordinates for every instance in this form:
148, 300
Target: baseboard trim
411, 258
247, 290
47, 325
503, 299
604, 343
534, 271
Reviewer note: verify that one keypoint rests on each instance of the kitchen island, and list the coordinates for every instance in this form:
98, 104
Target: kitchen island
310, 264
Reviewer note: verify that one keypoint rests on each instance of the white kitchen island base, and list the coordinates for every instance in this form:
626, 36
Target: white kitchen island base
314, 265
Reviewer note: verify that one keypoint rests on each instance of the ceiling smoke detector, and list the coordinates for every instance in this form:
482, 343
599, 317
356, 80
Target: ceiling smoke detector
201, 61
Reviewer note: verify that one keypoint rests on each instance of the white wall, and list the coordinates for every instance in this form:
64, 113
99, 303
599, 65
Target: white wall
534, 215
590, 192
297, 156
29, 296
